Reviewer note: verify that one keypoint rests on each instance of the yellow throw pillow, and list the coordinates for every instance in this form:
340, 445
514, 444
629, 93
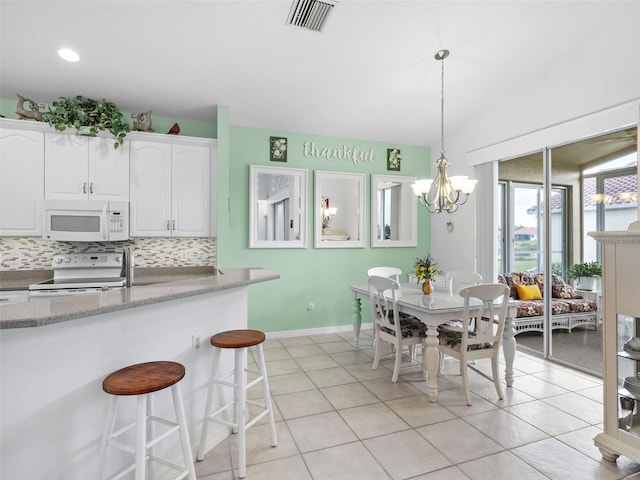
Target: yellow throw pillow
528, 292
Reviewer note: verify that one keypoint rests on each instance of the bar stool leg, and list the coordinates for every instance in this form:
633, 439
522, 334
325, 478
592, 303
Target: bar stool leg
210, 393
106, 435
184, 434
141, 438
267, 395
241, 381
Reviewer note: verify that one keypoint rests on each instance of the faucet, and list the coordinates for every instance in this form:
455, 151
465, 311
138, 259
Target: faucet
128, 264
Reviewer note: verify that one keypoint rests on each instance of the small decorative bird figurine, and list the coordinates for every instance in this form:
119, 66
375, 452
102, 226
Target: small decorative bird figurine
175, 130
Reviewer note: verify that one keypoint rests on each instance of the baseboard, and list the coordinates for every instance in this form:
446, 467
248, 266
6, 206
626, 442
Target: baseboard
316, 331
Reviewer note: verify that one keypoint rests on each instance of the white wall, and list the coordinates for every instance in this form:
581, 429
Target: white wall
600, 74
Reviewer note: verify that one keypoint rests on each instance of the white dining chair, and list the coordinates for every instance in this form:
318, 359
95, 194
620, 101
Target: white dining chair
388, 272
388, 326
394, 273
459, 341
456, 280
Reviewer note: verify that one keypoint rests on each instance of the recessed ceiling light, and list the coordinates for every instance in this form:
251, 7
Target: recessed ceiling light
69, 55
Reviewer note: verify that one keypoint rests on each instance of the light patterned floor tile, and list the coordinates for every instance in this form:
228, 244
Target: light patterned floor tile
405, 454
345, 462
320, 431
557, 460
299, 404
329, 377
446, 437
348, 395
373, 420
546, 417
500, 466
505, 428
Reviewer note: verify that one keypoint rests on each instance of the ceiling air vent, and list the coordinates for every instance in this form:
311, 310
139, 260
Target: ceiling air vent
310, 14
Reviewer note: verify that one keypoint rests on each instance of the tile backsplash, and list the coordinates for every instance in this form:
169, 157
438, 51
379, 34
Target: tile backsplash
34, 253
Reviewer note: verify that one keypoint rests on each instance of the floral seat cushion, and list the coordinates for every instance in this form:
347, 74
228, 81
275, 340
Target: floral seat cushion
450, 334
410, 328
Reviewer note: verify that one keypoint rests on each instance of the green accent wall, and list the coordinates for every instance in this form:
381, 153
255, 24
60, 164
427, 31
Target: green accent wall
191, 128
318, 276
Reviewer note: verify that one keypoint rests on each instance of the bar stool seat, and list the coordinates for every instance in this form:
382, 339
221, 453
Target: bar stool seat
142, 380
239, 341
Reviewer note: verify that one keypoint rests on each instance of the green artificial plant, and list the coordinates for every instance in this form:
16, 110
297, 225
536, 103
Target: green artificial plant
585, 270
80, 112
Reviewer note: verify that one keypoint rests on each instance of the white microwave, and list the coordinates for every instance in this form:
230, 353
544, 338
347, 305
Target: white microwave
85, 220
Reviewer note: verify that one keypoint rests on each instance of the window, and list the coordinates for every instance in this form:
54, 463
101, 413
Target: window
609, 200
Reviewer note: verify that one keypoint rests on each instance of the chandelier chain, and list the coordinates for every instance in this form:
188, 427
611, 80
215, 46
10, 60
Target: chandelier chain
442, 111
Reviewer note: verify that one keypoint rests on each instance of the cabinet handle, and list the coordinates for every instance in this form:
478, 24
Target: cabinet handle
84, 187
173, 224
91, 187
168, 225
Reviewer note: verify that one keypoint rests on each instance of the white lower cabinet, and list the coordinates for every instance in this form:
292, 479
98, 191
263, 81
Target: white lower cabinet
21, 182
170, 194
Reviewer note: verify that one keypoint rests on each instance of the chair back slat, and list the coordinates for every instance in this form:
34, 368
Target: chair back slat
384, 293
490, 330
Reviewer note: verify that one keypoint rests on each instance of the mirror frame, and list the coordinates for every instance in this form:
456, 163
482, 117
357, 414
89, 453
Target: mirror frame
411, 209
254, 242
358, 205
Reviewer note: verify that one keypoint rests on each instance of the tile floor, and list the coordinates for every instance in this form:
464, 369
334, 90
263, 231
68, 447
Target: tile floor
336, 418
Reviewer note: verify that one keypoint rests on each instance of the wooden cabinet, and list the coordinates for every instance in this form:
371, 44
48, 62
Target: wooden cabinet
170, 189
85, 168
21, 182
621, 383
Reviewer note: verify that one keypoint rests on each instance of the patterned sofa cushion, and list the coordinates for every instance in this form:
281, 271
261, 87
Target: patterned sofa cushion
565, 298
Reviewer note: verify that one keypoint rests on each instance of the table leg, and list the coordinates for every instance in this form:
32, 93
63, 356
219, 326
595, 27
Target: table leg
430, 362
509, 349
357, 321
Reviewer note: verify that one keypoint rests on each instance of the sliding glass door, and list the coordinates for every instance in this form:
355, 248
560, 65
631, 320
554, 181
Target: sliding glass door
581, 187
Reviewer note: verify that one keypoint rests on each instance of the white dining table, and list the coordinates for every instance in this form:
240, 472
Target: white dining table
435, 309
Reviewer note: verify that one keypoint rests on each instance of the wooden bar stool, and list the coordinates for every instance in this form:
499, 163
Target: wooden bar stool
240, 341
142, 380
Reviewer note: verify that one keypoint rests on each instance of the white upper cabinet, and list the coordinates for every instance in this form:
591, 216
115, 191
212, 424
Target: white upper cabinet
170, 190
190, 201
82, 168
21, 182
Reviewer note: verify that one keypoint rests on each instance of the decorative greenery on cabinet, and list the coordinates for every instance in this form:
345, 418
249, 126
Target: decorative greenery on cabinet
85, 113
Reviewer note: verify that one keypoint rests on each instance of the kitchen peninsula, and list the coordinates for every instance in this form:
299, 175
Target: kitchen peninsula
55, 352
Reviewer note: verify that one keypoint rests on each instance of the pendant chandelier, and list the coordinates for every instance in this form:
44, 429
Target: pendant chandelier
443, 194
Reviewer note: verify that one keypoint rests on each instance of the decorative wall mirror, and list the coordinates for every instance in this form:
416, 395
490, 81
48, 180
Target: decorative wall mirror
277, 207
339, 210
394, 212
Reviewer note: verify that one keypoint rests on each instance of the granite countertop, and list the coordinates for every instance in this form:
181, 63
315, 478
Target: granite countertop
158, 287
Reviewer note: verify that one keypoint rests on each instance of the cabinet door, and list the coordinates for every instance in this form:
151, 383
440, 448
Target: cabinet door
66, 170
150, 208
190, 190
21, 182
108, 170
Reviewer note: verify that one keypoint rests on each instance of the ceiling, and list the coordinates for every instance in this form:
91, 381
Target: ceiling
369, 74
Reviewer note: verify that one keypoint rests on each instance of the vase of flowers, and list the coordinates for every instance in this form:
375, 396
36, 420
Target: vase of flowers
425, 269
